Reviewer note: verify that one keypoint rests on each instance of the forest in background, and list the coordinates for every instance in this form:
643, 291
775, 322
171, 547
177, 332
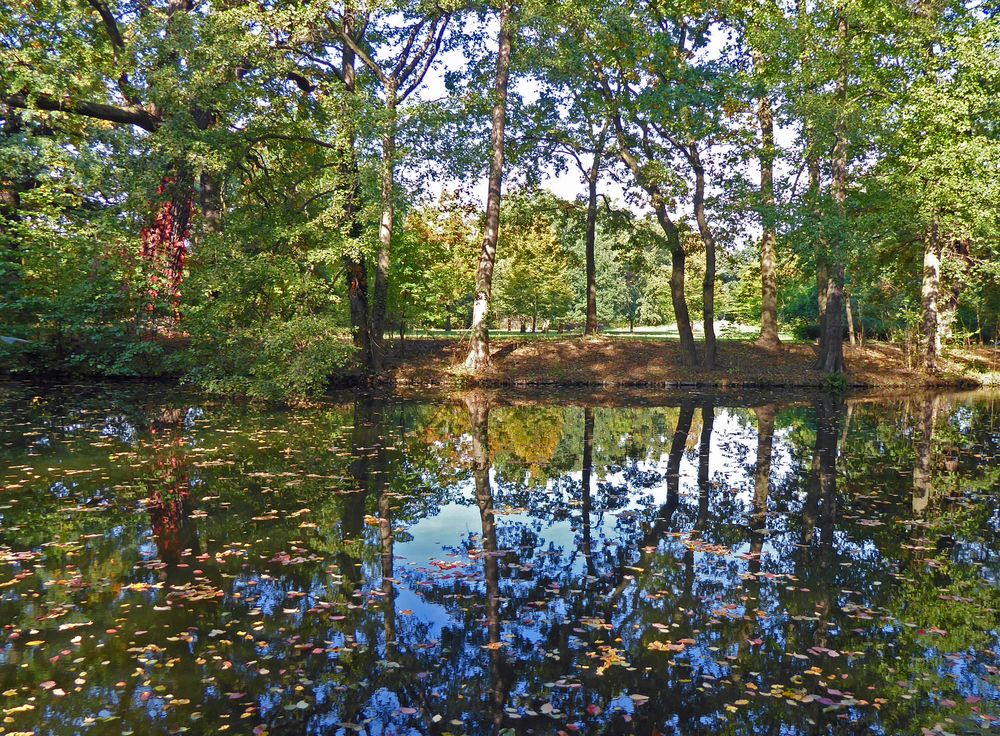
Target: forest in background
259, 196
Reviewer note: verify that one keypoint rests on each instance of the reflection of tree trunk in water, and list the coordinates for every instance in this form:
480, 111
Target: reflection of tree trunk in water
848, 415
387, 544
364, 442
664, 517
170, 504
827, 418
810, 508
704, 458
923, 443
758, 521
586, 501
479, 418
762, 479
685, 416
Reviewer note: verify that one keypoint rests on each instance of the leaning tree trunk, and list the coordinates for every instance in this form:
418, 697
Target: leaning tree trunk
768, 242
831, 345
708, 239
479, 348
591, 326
381, 300
677, 298
929, 290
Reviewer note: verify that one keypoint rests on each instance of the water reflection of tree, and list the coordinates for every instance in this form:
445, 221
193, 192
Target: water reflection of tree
500, 671
170, 504
788, 594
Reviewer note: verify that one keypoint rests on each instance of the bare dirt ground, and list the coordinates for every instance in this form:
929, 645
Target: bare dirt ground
610, 361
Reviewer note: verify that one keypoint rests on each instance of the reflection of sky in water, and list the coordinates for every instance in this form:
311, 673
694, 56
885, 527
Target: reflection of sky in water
844, 589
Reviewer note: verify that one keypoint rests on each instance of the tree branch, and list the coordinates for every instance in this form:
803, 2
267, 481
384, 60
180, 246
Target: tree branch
110, 24
429, 56
367, 60
138, 116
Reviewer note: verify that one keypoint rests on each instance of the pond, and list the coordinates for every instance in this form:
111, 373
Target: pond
479, 564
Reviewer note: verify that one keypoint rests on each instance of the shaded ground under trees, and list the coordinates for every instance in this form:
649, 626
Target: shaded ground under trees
625, 361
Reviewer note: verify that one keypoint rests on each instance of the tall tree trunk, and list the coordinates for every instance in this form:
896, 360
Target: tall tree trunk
479, 348
591, 326
861, 325
850, 317
822, 284
929, 296
831, 345
812, 163
708, 239
677, 298
355, 267
381, 300
210, 201
768, 241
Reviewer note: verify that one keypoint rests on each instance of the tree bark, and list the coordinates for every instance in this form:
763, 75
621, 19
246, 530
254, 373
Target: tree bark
850, 317
831, 345
768, 242
677, 298
708, 239
386, 226
591, 326
355, 266
479, 348
677, 257
929, 290
210, 201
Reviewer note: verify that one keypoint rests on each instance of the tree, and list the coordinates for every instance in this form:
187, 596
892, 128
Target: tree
413, 43
532, 275
478, 358
575, 125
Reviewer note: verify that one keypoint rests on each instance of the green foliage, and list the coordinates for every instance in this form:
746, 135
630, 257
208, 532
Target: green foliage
836, 383
247, 109
433, 266
280, 360
534, 266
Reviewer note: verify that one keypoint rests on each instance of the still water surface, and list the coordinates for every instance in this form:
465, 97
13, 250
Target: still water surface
717, 565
